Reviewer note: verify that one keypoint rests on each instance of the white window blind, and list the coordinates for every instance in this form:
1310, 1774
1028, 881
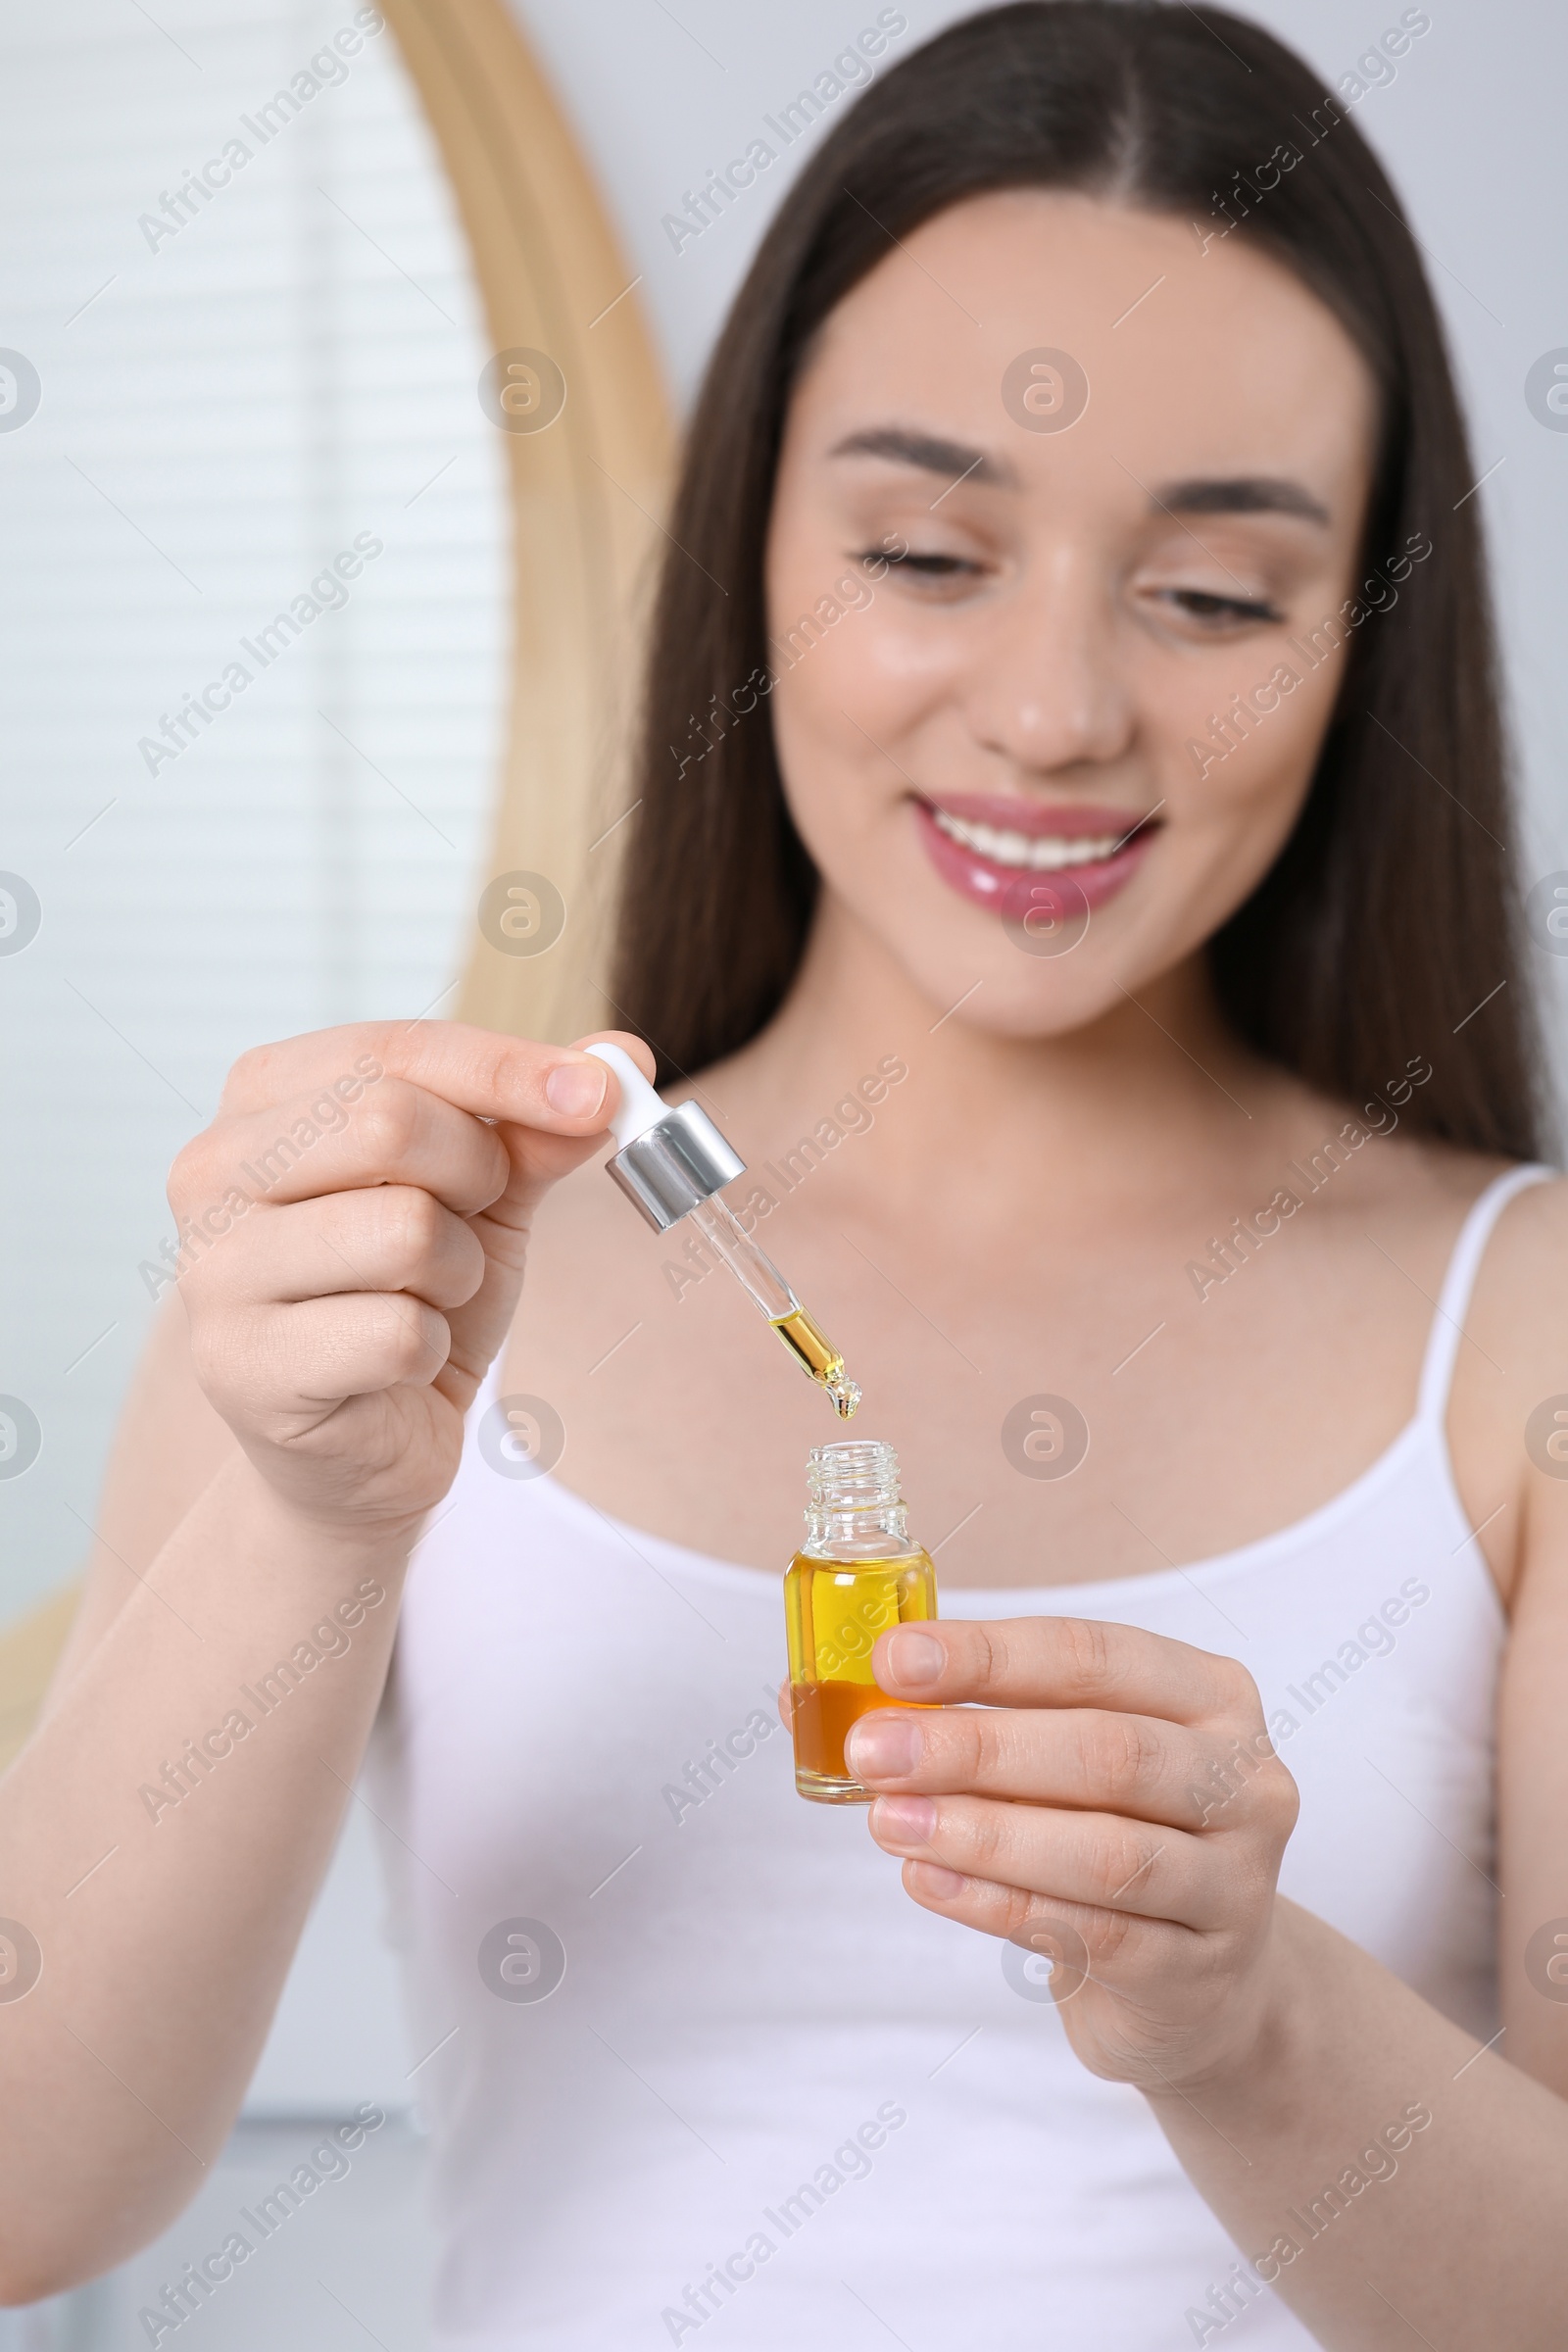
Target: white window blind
256, 397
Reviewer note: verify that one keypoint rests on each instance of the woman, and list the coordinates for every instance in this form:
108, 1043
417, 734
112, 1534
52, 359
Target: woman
1072, 808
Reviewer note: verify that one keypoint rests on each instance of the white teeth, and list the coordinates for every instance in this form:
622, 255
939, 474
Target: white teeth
1044, 853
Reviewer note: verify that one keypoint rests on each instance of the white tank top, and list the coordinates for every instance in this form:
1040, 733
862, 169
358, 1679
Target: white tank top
770, 2102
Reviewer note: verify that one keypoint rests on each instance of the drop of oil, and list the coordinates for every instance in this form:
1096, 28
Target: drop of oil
817, 1355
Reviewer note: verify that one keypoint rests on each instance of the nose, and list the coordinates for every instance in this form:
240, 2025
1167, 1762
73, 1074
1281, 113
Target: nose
1048, 688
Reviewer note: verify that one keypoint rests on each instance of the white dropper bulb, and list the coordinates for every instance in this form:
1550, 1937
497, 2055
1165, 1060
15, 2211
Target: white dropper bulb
639, 1108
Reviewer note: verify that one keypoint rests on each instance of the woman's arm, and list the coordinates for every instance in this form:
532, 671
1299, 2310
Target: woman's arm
165, 1828
1389, 2178
163, 1834
168, 1446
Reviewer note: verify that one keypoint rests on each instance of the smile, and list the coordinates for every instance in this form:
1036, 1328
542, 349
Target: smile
1015, 857
1046, 854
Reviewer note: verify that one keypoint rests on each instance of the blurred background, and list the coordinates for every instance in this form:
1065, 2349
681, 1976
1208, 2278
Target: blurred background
211, 390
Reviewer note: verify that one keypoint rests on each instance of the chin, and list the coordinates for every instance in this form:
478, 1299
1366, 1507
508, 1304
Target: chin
1018, 995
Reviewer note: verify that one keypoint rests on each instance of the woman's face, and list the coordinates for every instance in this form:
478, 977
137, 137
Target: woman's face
1047, 751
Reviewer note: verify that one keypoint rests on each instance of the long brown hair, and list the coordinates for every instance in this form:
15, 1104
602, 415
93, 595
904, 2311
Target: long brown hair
1389, 916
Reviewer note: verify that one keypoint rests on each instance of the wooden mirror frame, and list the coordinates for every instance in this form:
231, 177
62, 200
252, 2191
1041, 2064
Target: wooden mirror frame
586, 492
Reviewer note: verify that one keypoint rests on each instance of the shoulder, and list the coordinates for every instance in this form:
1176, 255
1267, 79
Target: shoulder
1388, 1209
1519, 1305
1511, 1382
1374, 1184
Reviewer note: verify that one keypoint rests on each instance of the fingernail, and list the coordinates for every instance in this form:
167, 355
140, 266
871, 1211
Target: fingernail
883, 1747
914, 1656
936, 1878
576, 1088
904, 1820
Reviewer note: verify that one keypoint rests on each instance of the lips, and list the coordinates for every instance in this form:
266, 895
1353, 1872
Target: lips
1015, 857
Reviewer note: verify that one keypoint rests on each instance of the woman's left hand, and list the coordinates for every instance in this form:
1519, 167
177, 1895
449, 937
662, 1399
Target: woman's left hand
1105, 1798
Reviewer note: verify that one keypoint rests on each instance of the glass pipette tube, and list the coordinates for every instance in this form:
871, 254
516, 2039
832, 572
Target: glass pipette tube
671, 1164
763, 1283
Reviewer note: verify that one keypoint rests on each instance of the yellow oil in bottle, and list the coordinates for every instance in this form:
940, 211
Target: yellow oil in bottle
834, 1611
810, 1346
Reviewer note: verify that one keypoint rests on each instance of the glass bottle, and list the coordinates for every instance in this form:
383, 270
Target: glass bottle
856, 1574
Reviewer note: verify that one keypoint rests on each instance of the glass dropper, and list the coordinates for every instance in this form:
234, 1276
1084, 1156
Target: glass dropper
758, 1275
671, 1163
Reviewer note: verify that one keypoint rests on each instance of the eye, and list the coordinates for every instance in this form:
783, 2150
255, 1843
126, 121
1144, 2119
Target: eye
931, 567
1221, 611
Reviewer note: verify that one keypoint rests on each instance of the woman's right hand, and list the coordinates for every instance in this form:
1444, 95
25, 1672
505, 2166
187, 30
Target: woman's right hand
353, 1232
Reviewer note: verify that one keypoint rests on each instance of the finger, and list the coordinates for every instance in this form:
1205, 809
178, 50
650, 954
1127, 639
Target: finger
308, 1357
539, 1161
1062, 1662
295, 1150
557, 1089
1085, 1944
1094, 1858
386, 1237
534, 1162
1084, 1757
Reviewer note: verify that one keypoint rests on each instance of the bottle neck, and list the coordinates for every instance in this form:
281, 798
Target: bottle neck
878, 1532
853, 1508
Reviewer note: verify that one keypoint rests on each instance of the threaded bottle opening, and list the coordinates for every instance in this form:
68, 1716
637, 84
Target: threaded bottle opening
857, 1473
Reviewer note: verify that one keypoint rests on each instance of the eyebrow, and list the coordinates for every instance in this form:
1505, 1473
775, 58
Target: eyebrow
1243, 493
953, 460
957, 461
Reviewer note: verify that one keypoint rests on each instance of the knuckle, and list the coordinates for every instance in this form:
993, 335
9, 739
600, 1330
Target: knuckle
984, 1840
249, 1073
1239, 1693
389, 1121
976, 1653
1086, 1645
402, 1332
1117, 1864
1019, 1911
410, 1224
1281, 1797
488, 1173
1111, 1932
401, 1348
1119, 1755
495, 1064
187, 1173
969, 1742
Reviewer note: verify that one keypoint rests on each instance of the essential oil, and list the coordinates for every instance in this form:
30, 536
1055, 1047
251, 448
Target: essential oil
672, 1164
810, 1346
856, 1574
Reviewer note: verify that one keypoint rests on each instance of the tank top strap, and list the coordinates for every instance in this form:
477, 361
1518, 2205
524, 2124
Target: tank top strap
1453, 1300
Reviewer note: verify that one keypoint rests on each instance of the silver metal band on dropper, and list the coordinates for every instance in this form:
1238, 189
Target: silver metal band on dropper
679, 1161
